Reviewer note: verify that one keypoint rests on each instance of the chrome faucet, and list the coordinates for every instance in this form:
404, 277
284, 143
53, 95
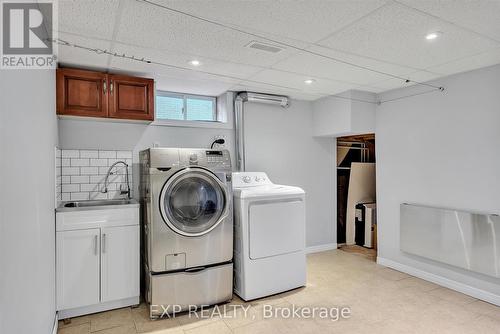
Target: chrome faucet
122, 192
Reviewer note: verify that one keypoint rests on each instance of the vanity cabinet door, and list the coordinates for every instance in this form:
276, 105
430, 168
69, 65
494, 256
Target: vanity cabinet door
77, 266
119, 262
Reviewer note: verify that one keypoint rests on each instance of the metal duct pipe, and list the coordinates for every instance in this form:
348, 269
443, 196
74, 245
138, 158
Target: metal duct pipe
239, 101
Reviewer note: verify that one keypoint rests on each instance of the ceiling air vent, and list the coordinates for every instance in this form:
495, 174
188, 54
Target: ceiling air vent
264, 47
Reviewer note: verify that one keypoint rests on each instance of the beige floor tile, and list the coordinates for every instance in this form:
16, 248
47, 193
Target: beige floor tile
128, 329
146, 325
218, 327
452, 296
77, 329
274, 326
110, 319
74, 321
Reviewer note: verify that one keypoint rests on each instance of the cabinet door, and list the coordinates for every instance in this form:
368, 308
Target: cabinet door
82, 93
131, 98
77, 263
119, 262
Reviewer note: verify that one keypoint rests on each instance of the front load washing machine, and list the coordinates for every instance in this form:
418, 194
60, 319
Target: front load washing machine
187, 227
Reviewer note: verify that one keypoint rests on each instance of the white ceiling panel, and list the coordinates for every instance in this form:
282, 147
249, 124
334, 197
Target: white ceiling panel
78, 56
300, 20
396, 34
212, 87
320, 67
90, 18
296, 81
469, 63
224, 69
419, 76
148, 26
481, 16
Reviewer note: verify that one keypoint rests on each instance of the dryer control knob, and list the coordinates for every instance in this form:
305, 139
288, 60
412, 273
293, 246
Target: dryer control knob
247, 179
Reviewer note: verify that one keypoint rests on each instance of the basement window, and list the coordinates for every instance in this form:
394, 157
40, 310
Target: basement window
185, 107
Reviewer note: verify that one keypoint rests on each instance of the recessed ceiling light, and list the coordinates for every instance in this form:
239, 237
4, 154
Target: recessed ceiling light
195, 62
432, 35
309, 81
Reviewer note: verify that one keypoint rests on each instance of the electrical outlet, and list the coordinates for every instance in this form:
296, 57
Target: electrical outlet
220, 146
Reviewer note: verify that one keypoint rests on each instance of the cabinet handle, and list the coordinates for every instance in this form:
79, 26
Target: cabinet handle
104, 86
104, 243
111, 88
96, 240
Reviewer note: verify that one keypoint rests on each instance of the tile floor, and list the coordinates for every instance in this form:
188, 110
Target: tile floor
381, 301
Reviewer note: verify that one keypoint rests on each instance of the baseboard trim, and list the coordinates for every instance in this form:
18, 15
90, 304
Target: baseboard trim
76, 312
321, 248
56, 324
443, 281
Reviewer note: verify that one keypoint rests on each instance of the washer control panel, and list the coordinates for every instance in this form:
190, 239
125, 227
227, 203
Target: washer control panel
206, 158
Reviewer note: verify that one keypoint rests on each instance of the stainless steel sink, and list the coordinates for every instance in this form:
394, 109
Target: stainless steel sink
82, 205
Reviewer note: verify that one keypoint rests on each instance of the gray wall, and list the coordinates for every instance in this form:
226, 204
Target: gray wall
439, 149
280, 142
28, 136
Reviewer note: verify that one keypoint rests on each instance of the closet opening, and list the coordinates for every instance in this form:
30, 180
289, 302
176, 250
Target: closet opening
356, 195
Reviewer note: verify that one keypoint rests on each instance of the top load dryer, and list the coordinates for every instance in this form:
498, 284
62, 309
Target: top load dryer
269, 249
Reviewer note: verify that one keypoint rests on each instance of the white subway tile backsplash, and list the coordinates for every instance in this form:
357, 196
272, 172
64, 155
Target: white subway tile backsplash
89, 154
70, 171
70, 188
79, 162
70, 153
80, 179
89, 187
80, 196
98, 162
124, 155
89, 170
107, 154
83, 172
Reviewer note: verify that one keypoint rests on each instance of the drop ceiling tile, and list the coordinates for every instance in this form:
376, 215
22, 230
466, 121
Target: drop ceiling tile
181, 60
296, 81
477, 15
321, 67
300, 20
148, 26
469, 63
77, 56
192, 86
419, 76
91, 18
396, 34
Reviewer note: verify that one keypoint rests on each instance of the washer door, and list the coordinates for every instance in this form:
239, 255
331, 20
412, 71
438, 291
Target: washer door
193, 202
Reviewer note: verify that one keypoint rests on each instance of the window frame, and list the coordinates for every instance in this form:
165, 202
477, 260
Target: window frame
191, 123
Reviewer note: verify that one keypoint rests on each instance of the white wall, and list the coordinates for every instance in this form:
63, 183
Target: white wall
349, 113
28, 131
440, 149
280, 142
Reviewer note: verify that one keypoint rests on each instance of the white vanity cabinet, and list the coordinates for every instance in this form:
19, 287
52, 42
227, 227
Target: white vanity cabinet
97, 259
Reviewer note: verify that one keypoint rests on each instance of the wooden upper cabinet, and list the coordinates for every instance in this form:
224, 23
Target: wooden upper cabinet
81, 93
131, 97
97, 94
